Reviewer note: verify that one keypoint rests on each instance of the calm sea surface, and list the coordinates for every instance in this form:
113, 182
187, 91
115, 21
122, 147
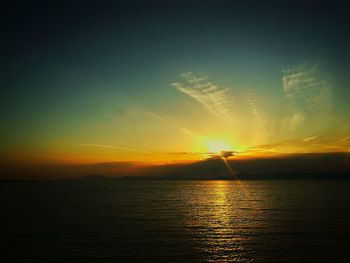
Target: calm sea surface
175, 221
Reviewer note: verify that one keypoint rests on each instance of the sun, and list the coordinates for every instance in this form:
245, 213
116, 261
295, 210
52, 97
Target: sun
218, 146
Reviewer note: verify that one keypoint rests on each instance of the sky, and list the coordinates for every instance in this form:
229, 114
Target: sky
160, 82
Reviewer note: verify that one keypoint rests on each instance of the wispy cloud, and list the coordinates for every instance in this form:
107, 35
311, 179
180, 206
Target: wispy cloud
122, 148
312, 144
303, 120
209, 95
116, 147
257, 116
308, 91
308, 139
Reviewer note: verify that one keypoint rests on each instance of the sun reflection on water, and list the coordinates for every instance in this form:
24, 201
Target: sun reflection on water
223, 221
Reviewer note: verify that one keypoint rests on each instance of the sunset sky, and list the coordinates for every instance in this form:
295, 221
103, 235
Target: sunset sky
90, 83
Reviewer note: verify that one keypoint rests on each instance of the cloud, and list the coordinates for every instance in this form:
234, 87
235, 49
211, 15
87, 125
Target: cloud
122, 148
245, 116
308, 109
308, 139
294, 121
301, 166
257, 119
255, 110
308, 91
208, 94
227, 154
116, 147
311, 144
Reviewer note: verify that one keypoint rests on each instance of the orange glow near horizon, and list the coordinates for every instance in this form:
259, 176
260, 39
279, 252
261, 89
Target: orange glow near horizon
204, 147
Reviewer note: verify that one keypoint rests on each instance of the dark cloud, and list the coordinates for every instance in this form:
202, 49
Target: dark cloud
222, 154
296, 166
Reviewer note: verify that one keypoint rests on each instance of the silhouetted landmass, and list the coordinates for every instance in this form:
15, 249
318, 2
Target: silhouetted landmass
95, 177
293, 166
306, 166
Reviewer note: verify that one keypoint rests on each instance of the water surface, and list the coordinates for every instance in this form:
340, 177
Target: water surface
175, 221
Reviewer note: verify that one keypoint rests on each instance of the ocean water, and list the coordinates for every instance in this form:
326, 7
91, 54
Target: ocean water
175, 221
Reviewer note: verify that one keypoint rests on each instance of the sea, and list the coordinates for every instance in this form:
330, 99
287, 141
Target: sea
175, 221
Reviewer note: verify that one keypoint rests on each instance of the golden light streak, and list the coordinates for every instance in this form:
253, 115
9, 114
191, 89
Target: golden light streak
115, 147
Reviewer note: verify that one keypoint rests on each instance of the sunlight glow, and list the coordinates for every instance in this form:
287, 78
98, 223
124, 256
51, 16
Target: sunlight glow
217, 146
